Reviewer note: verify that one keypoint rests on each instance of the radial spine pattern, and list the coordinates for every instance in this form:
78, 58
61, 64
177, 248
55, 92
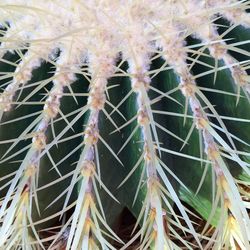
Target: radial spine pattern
93, 38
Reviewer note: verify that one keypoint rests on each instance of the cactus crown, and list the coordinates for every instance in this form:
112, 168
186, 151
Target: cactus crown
93, 40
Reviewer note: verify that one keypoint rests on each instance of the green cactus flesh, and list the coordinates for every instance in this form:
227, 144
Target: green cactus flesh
112, 105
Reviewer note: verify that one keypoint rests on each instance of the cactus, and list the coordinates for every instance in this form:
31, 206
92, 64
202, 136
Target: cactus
107, 105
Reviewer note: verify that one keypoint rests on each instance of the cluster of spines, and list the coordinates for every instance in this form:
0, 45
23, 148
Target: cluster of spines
138, 59
84, 222
234, 224
25, 180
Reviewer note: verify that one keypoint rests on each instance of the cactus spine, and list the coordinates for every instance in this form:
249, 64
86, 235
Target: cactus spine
184, 43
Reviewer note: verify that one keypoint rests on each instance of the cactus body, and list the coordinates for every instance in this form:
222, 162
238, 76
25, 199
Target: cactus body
107, 105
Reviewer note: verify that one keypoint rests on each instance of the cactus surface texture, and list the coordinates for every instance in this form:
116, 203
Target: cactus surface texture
118, 109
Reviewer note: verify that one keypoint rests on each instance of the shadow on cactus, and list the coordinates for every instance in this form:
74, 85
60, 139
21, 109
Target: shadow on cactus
113, 106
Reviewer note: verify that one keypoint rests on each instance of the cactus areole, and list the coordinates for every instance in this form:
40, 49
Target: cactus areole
109, 106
